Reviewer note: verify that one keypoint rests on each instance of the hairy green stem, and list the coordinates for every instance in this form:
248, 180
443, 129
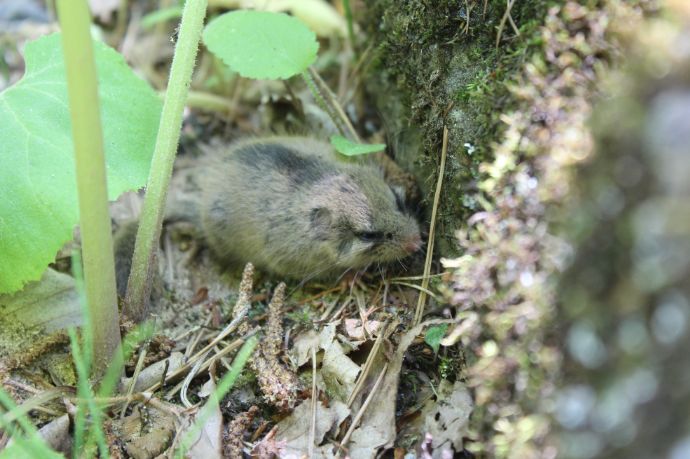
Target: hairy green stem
94, 219
332, 102
139, 283
321, 101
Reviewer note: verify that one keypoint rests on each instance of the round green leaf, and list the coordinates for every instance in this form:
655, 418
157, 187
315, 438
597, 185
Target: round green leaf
349, 148
260, 44
38, 195
434, 335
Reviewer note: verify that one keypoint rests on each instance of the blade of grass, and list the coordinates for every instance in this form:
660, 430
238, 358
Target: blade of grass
99, 264
140, 333
87, 398
224, 385
421, 299
139, 283
33, 446
80, 415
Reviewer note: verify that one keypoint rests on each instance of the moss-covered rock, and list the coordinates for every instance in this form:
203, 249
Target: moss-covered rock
525, 109
440, 64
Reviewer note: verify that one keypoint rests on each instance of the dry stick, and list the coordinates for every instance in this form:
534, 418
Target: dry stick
314, 394
200, 366
512, 23
486, 4
196, 338
187, 381
365, 405
505, 17
367, 365
181, 370
426, 291
146, 398
413, 278
34, 403
340, 310
135, 376
236, 322
421, 300
468, 8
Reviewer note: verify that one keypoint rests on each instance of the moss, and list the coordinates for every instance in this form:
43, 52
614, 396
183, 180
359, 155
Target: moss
432, 70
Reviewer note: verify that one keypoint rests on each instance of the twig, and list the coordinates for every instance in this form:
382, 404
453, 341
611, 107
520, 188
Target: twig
413, 278
135, 376
505, 17
426, 291
188, 380
34, 403
314, 395
421, 300
367, 365
512, 23
365, 405
226, 350
468, 10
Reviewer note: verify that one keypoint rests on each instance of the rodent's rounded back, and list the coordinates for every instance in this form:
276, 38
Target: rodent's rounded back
290, 207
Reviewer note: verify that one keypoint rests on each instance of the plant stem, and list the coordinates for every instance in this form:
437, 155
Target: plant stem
350, 28
139, 283
321, 101
97, 243
333, 103
421, 299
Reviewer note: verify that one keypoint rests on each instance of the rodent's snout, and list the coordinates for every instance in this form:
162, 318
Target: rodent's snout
412, 243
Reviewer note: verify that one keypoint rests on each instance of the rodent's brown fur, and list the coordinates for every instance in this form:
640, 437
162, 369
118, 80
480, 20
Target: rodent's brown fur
289, 206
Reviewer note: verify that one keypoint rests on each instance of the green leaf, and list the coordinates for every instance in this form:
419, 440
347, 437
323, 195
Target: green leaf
434, 335
349, 148
39, 208
260, 44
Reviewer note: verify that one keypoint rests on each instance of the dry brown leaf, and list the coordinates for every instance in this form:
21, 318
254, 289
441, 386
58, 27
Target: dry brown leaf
355, 329
208, 444
293, 433
339, 372
300, 353
446, 419
377, 428
146, 433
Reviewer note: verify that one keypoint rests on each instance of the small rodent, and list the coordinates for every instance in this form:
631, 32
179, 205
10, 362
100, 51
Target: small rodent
289, 206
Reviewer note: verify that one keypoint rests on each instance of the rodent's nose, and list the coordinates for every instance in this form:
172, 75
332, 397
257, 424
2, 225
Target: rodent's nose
412, 243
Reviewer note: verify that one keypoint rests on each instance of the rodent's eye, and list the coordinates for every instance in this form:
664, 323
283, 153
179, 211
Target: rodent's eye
370, 236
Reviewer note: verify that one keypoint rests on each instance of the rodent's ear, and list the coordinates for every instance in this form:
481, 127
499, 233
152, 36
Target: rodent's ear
399, 193
321, 219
